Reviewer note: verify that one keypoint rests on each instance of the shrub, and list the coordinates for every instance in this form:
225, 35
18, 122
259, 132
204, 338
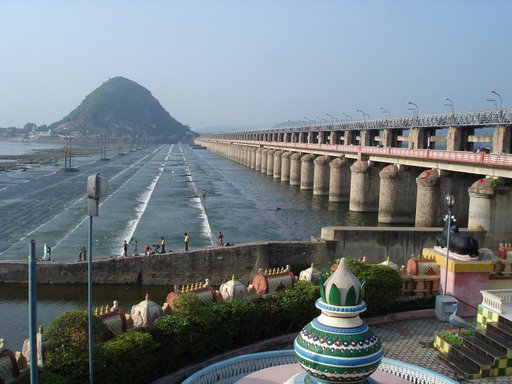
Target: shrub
129, 358
175, 334
291, 309
68, 351
46, 377
383, 287
243, 319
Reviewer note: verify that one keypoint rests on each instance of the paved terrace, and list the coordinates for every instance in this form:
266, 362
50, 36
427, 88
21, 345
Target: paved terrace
407, 336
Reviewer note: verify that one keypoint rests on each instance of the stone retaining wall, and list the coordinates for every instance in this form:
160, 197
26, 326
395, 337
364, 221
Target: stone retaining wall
219, 264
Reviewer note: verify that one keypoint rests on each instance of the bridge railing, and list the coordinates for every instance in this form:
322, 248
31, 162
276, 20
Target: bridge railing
487, 159
459, 119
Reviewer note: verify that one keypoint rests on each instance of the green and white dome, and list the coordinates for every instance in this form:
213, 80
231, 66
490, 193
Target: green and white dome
337, 346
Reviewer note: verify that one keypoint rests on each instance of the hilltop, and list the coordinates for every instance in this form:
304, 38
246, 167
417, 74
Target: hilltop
122, 107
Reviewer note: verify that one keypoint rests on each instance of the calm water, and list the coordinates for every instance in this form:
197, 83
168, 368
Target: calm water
153, 192
23, 147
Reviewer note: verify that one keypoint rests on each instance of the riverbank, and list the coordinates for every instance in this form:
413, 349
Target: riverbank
41, 157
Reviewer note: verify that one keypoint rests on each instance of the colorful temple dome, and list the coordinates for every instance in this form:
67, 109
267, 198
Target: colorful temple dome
337, 346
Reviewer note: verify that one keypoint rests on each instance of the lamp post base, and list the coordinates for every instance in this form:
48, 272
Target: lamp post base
444, 306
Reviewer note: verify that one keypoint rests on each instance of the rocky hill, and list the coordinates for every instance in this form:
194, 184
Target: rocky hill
121, 107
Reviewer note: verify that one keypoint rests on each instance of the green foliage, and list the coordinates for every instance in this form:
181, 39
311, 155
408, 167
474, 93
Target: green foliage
46, 377
291, 309
69, 347
455, 339
383, 286
129, 358
188, 304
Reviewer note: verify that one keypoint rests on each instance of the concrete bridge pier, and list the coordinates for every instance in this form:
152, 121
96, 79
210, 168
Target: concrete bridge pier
427, 198
248, 151
364, 187
350, 137
285, 167
397, 195
321, 176
481, 201
457, 139
257, 167
276, 172
502, 139
270, 162
432, 187
390, 137
489, 209
419, 138
239, 154
244, 155
295, 171
264, 161
339, 181
306, 172
253, 158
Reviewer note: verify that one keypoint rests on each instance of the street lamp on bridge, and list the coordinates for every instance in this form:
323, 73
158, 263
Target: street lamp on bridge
450, 101
415, 107
331, 116
495, 103
347, 116
499, 96
365, 115
385, 111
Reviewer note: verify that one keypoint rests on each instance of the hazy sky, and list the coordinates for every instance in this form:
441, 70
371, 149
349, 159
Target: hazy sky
252, 63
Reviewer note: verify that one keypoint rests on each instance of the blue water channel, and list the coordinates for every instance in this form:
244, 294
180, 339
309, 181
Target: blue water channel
154, 191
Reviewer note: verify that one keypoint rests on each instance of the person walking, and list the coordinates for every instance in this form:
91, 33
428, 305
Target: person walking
162, 245
85, 254
125, 249
48, 253
186, 239
220, 240
135, 245
81, 254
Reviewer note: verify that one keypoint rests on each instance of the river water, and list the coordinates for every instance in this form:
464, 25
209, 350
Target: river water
153, 192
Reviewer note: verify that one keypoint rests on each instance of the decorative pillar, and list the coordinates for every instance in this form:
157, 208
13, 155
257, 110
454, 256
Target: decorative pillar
337, 346
339, 180
321, 176
427, 198
285, 166
276, 173
306, 172
295, 171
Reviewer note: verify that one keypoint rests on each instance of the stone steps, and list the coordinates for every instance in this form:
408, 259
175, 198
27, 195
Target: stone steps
487, 353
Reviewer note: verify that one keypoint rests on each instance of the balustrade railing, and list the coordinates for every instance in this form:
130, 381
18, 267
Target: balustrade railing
499, 300
486, 159
231, 370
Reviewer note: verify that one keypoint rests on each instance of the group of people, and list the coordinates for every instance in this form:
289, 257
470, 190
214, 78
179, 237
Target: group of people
151, 250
